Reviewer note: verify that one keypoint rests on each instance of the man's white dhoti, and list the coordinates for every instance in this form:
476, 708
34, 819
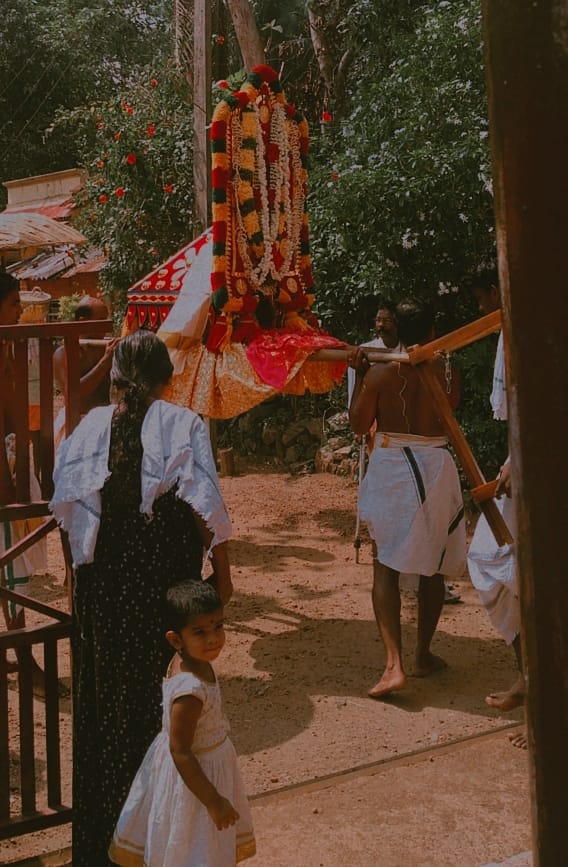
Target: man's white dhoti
412, 503
492, 569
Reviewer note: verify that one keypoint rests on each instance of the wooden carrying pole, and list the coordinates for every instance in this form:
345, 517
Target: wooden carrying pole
526, 44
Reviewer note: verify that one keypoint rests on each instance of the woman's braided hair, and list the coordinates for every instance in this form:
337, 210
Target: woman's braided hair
140, 363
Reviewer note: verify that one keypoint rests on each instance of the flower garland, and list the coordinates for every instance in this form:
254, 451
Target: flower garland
259, 183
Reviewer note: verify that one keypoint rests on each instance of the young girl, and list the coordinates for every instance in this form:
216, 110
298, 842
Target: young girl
187, 806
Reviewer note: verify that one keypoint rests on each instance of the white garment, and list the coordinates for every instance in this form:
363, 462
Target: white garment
176, 450
162, 823
492, 569
411, 500
377, 343
498, 397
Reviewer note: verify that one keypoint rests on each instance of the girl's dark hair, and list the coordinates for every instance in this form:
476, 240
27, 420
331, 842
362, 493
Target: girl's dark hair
140, 363
189, 599
8, 284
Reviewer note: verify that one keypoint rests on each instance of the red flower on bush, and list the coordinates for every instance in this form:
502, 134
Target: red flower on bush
131, 159
100, 125
153, 82
334, 176
220, 40
224, 84
168, 188
129, 109
119, 192
100, 164
151, 129
117, 136
103, 199
326, 117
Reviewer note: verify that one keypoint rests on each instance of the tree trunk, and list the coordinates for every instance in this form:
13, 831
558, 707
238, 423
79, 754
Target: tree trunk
247, 32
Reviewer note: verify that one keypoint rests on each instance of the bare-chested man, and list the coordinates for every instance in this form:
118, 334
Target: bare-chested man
410, 496
95, 361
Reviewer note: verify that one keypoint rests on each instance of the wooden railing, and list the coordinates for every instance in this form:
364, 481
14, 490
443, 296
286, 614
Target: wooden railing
22, 810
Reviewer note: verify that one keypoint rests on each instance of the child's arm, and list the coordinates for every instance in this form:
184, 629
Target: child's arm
185, 713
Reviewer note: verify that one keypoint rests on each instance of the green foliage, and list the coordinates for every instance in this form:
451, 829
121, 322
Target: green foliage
57, 54
401, 199
138, 200
67, 306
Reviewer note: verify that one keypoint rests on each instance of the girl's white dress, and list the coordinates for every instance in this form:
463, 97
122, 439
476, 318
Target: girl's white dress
162, 823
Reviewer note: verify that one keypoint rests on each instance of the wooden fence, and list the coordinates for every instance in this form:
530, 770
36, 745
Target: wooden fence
21, 808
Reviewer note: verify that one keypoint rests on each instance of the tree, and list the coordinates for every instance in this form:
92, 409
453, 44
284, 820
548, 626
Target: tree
137, 204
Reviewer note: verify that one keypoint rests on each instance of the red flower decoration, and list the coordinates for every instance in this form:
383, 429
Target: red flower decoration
129, 110
223, 84
153, 82
219, 232
334, 176
218, 130
131, 159
100, 164
168, 188
219, 178
119, 192
326, 117
267, 73
242, 98
103, 199
117, 136
273, 153
220, 40
100, 126
151, 129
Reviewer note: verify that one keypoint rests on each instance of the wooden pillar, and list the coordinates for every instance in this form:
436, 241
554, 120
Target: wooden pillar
202, 110
527, 74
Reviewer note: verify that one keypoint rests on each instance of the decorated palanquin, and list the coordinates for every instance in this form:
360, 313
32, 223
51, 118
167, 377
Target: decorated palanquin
247, 332
150, 300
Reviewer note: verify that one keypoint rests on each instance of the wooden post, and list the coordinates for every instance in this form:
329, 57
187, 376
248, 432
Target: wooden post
527, 75
201, 111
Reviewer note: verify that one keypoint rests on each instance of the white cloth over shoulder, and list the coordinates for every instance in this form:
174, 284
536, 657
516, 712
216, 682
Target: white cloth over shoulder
162, 823
493, 572
176, 450
411, 500
498, 397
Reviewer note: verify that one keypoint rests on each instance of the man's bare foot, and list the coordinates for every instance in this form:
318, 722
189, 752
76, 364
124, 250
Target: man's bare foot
391, 681
519, 740
428, 664
508, 700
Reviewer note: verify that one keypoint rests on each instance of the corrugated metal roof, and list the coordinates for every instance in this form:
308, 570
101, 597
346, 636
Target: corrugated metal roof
54, 208
63, 263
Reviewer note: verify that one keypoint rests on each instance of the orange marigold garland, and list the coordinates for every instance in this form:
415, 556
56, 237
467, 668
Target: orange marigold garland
261, 258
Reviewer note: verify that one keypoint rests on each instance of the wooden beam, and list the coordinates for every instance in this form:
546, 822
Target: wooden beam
463, 452
201, 111
457, 339
526, 45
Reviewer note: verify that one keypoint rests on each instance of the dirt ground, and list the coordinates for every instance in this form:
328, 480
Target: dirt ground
302, 649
